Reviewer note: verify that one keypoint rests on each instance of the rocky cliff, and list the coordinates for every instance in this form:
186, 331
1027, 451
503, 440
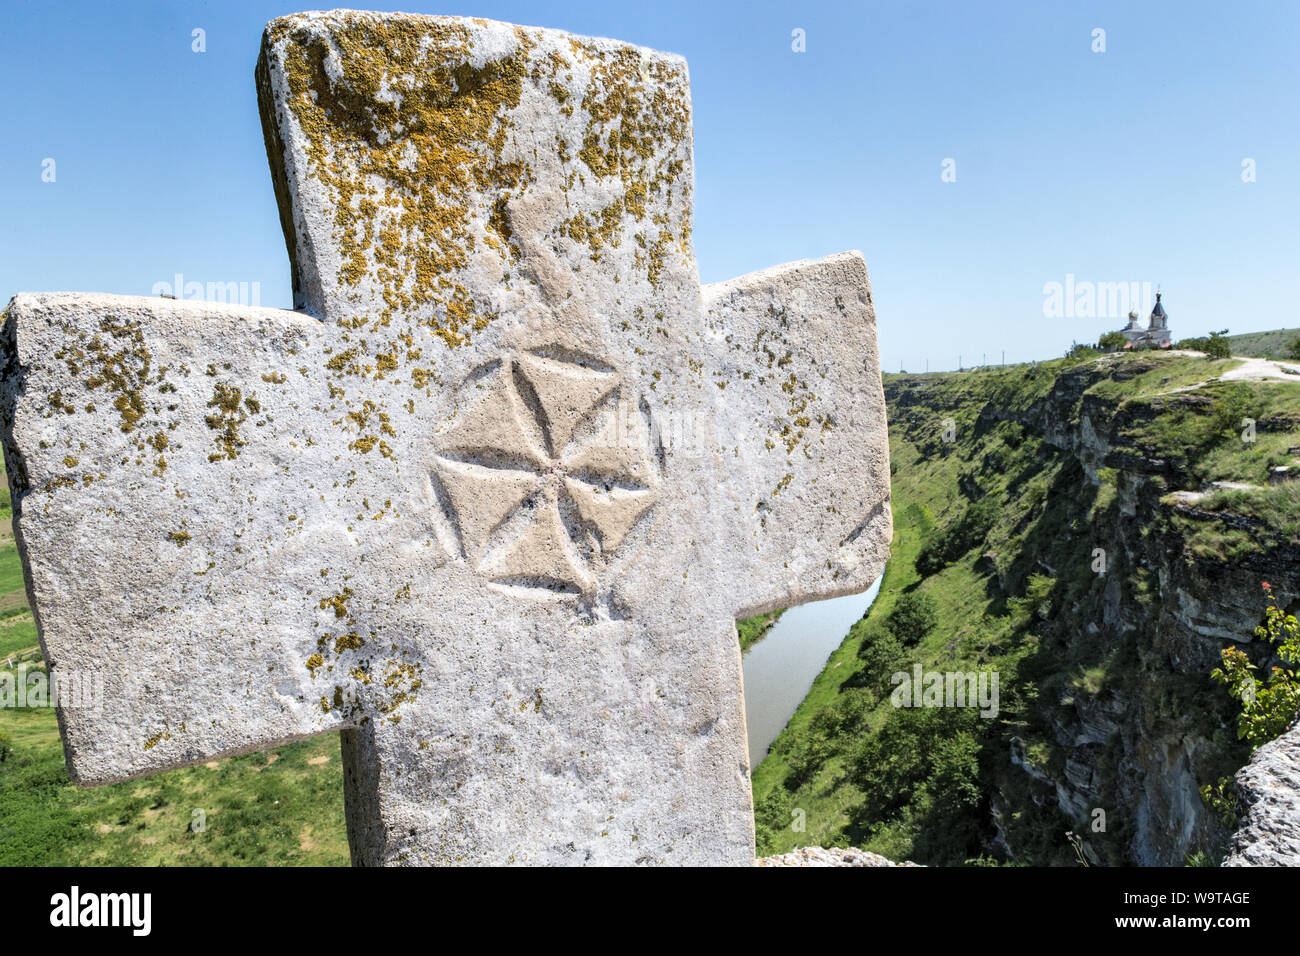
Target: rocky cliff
1096, 531
1173, 582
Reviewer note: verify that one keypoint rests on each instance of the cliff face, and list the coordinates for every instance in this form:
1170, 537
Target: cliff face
1173, 579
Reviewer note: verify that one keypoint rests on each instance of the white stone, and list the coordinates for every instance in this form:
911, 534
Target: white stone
492, 499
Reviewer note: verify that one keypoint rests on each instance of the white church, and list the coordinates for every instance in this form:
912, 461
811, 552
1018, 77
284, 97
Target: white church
1154, 336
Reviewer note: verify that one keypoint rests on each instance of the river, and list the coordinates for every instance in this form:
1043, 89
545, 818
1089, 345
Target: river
781, 667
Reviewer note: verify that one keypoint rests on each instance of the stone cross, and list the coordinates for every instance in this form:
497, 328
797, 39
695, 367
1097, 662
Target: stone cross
491, 498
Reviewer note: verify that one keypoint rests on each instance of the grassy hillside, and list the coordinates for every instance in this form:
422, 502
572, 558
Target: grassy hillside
994, 531
1264, 344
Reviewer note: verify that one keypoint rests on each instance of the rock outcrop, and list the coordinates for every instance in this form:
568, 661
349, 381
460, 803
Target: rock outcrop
1269, 789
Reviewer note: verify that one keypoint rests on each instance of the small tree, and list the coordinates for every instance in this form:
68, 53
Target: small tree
1293, 350
1217, 346
1112, 341
914, 616
883, 656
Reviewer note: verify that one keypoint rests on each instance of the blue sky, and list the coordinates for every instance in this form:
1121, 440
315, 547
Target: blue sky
1115, 166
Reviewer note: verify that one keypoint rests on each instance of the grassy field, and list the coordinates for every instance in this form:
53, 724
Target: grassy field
283, 807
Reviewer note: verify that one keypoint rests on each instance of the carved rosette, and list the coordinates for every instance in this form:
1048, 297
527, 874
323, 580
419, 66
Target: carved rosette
544, 470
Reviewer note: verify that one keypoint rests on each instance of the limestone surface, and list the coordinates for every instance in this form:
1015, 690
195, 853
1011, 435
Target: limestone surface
490, 500
1269, 789
821, 856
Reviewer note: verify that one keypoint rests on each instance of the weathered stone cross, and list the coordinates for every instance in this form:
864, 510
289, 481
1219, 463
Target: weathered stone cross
492, 498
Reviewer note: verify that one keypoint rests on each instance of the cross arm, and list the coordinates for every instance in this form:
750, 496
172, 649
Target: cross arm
170, 493
802, 431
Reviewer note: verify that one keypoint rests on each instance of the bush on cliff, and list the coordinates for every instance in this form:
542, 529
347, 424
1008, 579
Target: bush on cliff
946, 545
1268, 706
914, 616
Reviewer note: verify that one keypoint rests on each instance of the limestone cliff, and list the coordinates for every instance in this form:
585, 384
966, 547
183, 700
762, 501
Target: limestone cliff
1166, 599
1096, 531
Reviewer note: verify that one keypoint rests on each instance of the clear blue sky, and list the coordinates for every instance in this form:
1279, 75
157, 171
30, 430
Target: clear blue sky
1122, 166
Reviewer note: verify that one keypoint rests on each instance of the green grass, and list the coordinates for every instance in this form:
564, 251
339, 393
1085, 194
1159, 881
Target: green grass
281, 808
1001, 603
17, 633
753, 629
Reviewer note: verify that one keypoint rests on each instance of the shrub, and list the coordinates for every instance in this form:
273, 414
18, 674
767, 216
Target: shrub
923, 765
1236, 402
846, 717
944, 546
1215, 345
913, 618
882, 655
772, 814
1268, 707
1112, 341
6, 745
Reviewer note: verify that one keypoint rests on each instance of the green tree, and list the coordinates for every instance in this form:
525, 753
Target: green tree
1293, 350
923, 766
913, 617
1217, 346
882, 655
1112, 341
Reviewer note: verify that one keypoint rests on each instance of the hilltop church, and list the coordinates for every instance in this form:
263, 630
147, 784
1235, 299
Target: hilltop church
1154, 336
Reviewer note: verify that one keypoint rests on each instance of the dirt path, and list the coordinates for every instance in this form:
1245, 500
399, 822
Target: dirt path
1249, 370
1262, 370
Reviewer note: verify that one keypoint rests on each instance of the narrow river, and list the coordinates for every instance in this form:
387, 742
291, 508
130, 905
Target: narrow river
781, 667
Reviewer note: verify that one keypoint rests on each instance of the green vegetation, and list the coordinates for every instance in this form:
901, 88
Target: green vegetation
283, 807
1269, 706
1215, 345
993, 567
753, 629
1274, 344
945, 545
914, 616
